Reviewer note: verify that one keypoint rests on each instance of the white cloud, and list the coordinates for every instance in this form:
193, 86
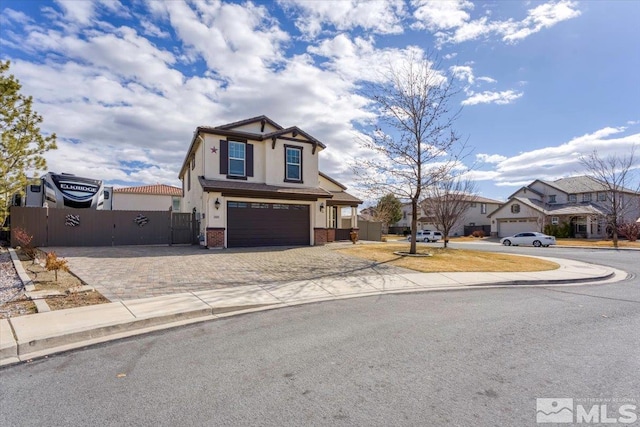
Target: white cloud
487, 79
463, 72
437, 15
560, 161
490, 158
451, 20
9, 16
488, 97
381, 17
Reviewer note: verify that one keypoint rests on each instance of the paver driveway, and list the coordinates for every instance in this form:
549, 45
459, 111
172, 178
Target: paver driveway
131, 272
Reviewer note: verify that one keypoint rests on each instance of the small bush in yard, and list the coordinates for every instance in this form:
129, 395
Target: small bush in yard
478, 233
54, 263
630, 230
24, 241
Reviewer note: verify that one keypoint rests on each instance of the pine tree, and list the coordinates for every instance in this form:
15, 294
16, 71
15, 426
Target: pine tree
22, 146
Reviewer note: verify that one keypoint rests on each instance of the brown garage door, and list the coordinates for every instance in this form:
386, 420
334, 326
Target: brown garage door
267, 224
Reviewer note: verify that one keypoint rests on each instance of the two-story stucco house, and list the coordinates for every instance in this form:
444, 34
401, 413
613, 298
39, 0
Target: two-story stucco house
582, 202
255, 183
475, 217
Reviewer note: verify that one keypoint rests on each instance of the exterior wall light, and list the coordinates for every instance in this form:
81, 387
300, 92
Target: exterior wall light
217, 204
321, 207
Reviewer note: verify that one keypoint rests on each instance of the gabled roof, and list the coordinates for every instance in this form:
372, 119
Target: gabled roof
526, 187
257, 119
328, 178
156, 190
565, 209
229, 130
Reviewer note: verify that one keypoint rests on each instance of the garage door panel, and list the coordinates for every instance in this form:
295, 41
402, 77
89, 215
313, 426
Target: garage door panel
267, 224
509, 228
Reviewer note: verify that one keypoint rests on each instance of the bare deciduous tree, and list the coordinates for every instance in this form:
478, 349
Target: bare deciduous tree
615, 173
448, 201
414, 137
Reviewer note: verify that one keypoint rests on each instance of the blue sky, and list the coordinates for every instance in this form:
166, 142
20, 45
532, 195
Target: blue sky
124, 84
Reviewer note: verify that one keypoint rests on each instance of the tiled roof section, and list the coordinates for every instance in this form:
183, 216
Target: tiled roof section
578, 184
156, 190
575, 210
581, 184
251, 189
344, 198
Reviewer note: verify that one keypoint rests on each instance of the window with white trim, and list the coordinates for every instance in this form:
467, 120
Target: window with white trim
552, 198
573, 198
293, 167
555, 220
237, 158
515, 208
483, 208
586, 197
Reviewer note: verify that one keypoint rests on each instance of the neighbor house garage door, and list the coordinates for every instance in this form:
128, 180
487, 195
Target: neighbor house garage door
513, 226
267, 224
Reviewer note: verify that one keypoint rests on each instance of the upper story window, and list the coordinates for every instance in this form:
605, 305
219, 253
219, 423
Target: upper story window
602, 197
237, 158
188, 179
175, 203
473, 205
552, 198
586, 197
483, 208
293, 164
573, 198
515, 208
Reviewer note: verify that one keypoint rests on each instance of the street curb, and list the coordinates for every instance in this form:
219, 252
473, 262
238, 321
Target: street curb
25, 351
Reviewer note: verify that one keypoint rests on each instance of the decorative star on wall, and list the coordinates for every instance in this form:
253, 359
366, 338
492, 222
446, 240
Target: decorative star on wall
214, 150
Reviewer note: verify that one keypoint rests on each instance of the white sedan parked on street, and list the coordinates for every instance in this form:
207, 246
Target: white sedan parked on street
529, 238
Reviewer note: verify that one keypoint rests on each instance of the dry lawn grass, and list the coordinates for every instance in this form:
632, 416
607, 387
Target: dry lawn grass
597, 243
448, 260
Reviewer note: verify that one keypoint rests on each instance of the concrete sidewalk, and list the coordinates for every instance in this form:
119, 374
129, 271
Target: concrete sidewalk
37, 335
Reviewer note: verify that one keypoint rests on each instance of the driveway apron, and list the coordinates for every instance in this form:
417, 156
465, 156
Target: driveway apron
131, 272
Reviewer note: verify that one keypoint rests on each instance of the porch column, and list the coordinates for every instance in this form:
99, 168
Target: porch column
354, 217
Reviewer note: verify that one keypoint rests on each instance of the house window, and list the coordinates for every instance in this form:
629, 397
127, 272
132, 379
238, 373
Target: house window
188, 179
175, 204
293, 164
573, 198
193, 163
473, 205
554, 220
483, 208
237, 164
552, 198
404, 215
586, 197
515, 208
602, 197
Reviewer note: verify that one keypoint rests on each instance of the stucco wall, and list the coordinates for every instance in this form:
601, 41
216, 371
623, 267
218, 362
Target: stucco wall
146, 202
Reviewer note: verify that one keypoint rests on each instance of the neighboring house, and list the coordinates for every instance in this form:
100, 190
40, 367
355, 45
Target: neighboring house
255, 183
581, 202
157, 197
475, 218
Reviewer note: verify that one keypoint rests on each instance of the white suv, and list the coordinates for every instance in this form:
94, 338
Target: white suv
426, 236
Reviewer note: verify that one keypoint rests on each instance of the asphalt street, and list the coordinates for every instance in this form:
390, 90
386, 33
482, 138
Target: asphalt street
464, 358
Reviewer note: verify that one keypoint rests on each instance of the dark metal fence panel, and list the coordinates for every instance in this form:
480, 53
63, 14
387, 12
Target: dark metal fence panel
141, 227
33, 221
85, 227
342, 234
369, 230
182, 228
79, 227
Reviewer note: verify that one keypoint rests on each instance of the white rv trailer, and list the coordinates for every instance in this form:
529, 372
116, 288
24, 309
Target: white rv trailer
68, 191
